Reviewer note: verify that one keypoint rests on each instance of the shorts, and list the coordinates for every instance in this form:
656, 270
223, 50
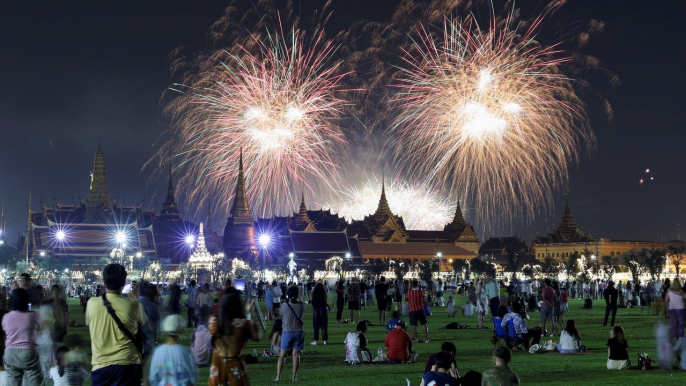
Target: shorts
546, 313
417, 316
276, 305
353, 305
381, 304
292, 340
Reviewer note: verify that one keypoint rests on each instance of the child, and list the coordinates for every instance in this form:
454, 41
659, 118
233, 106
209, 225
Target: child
277, 329
74, 360
357, 341
427, 309
617, 355
450, 307
173, 363
570, 339
57, 372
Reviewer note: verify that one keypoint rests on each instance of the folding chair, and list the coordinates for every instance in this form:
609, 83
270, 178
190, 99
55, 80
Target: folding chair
500, 333
514, 339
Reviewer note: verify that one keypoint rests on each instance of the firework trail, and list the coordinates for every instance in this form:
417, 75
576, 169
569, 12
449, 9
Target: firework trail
275, 94
420, 206
488, 114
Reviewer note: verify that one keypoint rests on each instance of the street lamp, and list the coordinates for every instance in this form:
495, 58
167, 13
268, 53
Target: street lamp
348, 255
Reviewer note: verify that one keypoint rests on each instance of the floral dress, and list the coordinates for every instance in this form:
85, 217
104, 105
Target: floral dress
228, 370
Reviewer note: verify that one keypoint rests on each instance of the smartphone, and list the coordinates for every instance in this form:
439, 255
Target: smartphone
127, 288
240, 285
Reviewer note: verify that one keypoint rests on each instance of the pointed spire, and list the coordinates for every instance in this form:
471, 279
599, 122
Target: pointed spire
170, 208
240, 206
28, 239
383, 209
98, 195
302, 220
209, 216
458, 220
201, 256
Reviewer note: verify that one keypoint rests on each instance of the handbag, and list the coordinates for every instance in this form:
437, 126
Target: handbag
138, 340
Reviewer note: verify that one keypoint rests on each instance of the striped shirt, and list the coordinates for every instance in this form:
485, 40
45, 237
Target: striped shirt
415, 298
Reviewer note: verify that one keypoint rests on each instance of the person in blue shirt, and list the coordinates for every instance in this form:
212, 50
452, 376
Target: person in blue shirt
441, 377
173, 363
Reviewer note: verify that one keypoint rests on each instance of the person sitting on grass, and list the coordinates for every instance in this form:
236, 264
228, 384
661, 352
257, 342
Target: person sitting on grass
201, 345
59, 373
570, 339
355, 341
617, 355
500, 375
398, 344
450, 307
173, 363
450, 348
444, 375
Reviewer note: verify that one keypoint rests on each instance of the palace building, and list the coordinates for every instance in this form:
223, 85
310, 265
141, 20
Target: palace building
567, 239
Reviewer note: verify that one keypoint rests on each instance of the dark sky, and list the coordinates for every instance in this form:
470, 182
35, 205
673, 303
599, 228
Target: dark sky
76, 72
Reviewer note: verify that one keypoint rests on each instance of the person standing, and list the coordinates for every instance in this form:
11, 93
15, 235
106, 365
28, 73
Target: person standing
548, 302
354, 293
674, 302
21, 348
340, 300
230, 333
493, 294
190, 303
611, 295
320, 313
115, 358
381, 289
293, 336
415, 300
276, 300
500, 375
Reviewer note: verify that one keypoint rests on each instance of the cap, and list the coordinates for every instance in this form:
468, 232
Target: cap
174, 325
401, 323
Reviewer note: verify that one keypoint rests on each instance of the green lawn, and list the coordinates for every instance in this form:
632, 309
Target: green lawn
323, 365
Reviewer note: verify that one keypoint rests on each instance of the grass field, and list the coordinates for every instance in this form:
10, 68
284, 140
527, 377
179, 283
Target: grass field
324, 365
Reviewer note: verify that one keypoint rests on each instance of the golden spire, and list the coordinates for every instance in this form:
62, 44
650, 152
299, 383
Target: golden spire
240, 206
383, 209
302, 220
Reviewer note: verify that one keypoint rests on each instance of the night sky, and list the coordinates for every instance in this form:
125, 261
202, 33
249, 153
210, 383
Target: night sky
78, 72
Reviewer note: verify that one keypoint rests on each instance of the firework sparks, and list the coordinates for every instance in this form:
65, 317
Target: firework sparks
420, 206
490, 115
274, 96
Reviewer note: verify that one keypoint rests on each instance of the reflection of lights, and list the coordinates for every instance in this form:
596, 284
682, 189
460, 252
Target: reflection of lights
60, 235
264, 240
190, 239
120, 237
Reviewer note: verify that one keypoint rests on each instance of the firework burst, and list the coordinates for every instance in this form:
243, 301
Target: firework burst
489, 115
420, 206
274, 97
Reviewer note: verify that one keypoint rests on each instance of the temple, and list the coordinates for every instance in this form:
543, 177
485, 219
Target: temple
568, 239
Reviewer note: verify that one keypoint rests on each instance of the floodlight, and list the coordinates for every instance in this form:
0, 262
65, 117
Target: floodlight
138, 254
190, 239
348, 255
120, 237
291, 255
60, 235
264, 240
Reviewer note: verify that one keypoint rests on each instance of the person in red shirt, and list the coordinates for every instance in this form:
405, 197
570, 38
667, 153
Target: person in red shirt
548, 294
398, 343
415, 300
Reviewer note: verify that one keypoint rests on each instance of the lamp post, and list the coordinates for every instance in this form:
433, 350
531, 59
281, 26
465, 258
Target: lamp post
264, 241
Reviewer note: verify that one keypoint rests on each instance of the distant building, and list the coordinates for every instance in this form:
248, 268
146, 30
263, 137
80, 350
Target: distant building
567, 239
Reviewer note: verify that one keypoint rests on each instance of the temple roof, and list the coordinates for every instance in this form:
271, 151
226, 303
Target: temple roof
240, 207
302, 221
567, 232
170, 208
415, 249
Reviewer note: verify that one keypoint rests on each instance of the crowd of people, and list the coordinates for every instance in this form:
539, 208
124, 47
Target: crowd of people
131, 342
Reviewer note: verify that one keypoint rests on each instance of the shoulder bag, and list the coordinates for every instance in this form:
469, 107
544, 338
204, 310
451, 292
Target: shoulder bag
138, 340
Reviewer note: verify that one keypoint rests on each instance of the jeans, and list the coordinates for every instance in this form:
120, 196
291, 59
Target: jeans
320, 319
609, 308
118, 375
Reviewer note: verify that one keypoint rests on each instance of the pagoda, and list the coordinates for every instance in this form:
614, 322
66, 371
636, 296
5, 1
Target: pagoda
239, 232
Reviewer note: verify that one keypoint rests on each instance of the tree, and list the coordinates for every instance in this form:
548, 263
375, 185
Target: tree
610, 265
461, 266
655, 260
678, 253
550, 267
426, 269
480, 267
141, 264
636, 263
571, 263
377, 267
400, 268
337, 265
